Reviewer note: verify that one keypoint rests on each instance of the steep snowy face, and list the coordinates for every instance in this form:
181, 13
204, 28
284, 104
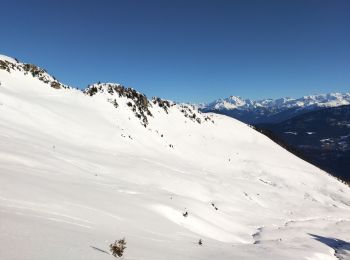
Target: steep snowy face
229, 103
80, 169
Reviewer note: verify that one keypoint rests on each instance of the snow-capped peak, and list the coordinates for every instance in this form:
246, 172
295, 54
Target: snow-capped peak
320, 100
231, 102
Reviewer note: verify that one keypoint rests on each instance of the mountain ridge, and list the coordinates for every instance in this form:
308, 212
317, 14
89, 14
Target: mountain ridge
273, 110
319, 100
140, 102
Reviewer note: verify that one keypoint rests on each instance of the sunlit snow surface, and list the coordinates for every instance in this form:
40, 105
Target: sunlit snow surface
76, 173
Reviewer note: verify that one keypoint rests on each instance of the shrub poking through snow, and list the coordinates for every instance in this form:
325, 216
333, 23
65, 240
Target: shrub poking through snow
118, 247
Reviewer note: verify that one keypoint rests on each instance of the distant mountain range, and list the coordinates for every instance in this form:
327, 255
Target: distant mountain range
273, 110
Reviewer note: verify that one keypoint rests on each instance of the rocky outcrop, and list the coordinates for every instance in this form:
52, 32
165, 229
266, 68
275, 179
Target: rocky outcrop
138, 102
33, 70
165, 104
189, 111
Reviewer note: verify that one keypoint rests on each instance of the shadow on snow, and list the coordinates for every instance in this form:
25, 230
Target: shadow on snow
341, 247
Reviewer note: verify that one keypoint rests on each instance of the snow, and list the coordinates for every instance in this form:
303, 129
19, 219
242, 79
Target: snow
291, 133
321, 100
6, 58
72, 182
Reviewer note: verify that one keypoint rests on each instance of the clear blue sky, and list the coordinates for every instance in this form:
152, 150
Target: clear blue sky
186, 50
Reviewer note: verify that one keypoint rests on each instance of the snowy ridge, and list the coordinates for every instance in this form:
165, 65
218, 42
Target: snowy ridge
11, 64
139, 103
80, 169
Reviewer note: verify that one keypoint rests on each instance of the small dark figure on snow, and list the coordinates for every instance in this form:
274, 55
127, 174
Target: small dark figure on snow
216, 208
185, 214
200, 242
118, 247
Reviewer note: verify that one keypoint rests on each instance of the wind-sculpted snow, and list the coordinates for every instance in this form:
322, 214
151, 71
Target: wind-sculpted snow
79, 171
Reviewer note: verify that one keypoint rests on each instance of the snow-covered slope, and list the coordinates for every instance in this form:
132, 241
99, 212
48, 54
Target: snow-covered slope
81, 169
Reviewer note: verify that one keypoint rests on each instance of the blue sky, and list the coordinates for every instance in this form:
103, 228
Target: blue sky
193, 51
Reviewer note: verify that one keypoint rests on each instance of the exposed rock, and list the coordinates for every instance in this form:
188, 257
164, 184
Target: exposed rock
189, 112
55, 84
34, 70
165, 104
138, 102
